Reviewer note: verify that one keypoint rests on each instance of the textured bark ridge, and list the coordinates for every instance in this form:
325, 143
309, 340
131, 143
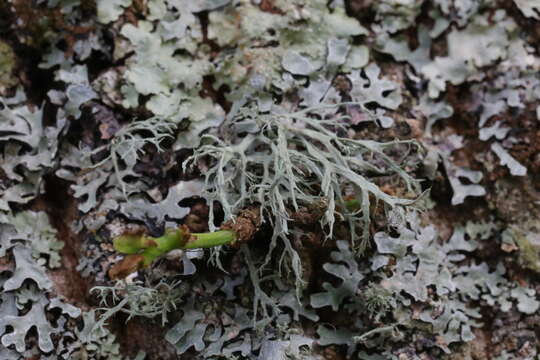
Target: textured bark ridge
245, 225
310, 214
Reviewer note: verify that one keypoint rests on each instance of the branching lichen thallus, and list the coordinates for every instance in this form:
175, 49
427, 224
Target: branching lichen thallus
279, 163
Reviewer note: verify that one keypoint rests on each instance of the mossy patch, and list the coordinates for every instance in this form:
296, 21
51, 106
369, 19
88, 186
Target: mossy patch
7, 64
529, 249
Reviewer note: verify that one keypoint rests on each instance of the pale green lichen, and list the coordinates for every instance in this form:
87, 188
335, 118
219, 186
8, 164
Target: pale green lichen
292, 159
281, 88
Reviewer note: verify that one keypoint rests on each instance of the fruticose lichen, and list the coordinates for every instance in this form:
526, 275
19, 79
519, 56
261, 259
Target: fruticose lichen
389, 149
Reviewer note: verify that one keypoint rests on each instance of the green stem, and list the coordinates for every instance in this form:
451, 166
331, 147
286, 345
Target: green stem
207, 240
151, 248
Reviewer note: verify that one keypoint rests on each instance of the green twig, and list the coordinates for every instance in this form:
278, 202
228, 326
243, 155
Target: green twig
150, 248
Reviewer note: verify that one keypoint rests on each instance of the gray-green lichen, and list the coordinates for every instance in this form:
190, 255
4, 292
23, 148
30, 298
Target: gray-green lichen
168, 112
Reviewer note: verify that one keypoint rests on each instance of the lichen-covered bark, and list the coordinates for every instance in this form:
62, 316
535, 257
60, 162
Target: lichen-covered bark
413, 125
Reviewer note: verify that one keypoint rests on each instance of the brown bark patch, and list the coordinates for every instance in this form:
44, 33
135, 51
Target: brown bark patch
269, 7
128, 265
246, 224
310, 214
62, 211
